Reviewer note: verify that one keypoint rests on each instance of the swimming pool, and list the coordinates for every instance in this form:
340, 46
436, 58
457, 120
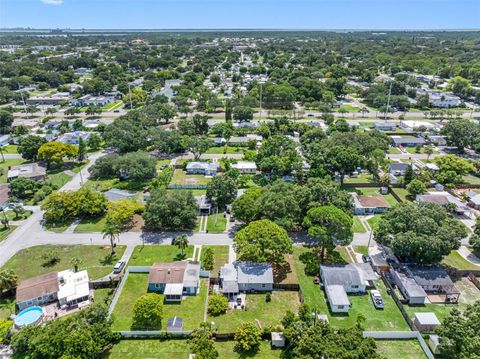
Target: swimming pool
28, 316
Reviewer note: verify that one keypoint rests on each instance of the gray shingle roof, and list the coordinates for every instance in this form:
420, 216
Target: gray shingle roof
249, 272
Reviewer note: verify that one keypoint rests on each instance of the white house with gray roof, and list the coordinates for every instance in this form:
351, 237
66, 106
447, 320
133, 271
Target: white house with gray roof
246, 277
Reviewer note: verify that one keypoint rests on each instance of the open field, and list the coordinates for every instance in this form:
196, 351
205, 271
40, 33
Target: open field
146, 256
268, 314
191, 308
96, 259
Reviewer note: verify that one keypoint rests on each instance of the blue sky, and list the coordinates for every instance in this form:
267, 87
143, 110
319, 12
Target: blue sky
211, 14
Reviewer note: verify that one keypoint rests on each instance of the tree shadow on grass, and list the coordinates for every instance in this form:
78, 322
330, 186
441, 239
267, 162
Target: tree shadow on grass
280, 271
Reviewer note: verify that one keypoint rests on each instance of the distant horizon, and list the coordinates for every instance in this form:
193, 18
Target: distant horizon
334, 15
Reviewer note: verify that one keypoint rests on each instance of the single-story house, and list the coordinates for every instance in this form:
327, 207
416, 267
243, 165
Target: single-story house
426, 322
73, 289
73, 138
54, 100
405, 282
33, 171
385, 126
67, 287
246, 277
407, 141
174, 279
90, 100
204, 204
412, 126
245, 167
443, 198
369, 204
38, 290
397, 168
340, 280
437, 140
254, 276
203, 168
115, 194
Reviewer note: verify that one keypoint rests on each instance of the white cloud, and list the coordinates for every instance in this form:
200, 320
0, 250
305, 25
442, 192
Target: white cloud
52, 2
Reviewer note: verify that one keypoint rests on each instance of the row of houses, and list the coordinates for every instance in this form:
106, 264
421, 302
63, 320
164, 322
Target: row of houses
212, 168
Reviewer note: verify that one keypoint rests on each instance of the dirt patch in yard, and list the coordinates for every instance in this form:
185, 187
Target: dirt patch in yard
137, 224
285, 273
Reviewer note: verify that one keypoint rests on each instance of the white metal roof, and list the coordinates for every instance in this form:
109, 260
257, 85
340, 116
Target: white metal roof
173, 289
73, 285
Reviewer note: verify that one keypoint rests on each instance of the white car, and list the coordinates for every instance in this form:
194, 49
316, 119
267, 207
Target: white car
376, 299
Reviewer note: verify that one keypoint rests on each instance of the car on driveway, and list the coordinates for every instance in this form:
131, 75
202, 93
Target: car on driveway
366, 258
377, 299
119, 267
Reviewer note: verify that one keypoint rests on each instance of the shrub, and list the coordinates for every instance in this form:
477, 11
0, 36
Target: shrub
217, 304
268, 297
248, 338
147, 312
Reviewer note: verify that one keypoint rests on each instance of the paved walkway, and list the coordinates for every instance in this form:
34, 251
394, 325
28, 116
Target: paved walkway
232, 256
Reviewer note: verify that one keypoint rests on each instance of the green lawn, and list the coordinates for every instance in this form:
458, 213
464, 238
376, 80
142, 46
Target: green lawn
402, 193
268, 314
6, 164
388, 319
96, 259
413, 150
375, 191
455, 260
220, 150
191, 309
358, 226
440, 310
220, 255
181, 177
57, 229
179, 349
361, 249
103, 295
91, 225
146, 256
373, 222
11, 216
361, 178
58, 178
349, 108
394, 150
10, 149
161, 163
216, 223
470, 179
406, 349
5, 232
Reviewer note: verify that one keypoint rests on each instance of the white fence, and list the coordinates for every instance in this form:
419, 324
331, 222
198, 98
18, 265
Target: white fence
400, 336
152, 333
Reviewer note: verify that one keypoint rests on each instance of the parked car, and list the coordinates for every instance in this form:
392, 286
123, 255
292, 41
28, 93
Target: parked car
366, 258
377, 299
119, 267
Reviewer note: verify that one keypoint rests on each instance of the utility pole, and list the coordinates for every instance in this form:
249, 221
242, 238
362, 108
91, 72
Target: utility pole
261, 85
388, 100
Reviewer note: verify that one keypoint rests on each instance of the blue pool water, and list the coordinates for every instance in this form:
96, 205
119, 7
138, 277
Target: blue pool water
28, 316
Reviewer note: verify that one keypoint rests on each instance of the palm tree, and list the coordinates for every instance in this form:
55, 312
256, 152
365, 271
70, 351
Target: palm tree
182, 243
76, 262
112, 232
8, 280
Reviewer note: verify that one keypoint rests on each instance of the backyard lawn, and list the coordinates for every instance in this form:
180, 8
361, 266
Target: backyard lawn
147, 255
257, 308
407, 349
58, 178
470, 179
220, 255
402, 193
358, 226
361, 178
180, 349
216, 223
191, 309
375, 191
388, 319
181, 177
455, 260
220, 150
96, 259
91, 225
